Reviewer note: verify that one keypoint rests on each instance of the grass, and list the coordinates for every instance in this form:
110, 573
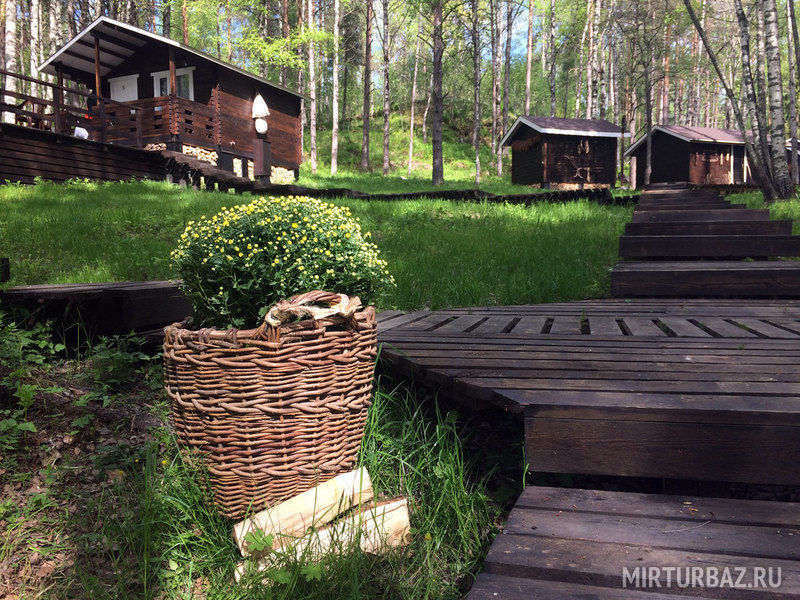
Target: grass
108, 508
782, 209
441, 253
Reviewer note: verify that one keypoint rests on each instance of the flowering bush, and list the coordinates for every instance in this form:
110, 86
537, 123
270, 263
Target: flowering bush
238, 263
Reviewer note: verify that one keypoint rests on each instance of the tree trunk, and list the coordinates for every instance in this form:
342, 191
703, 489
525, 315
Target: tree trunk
756, 111
551, 76
755, 161
185, 19
335, 76
438, 100
300, 55
367, 87
166, 18
591, 64
581, 63
495, 72
664, 100
35, 38
284, 76
10, 54
312, 91
387, 107
529, 59
506, 83
413, 99
427, 105
780, 167
793, 101
476, 89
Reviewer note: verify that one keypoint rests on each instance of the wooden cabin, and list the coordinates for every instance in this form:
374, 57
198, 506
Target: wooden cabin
564, 153
167, 96
698, 155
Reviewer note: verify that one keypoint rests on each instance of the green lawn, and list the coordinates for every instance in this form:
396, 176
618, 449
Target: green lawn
441, 253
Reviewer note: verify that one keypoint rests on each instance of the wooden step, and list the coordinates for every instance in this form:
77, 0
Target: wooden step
688, 206
711, 228
672, 216
712, 279
577, 544
708, 246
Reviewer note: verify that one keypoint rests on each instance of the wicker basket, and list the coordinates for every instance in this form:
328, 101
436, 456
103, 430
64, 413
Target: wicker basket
278, 409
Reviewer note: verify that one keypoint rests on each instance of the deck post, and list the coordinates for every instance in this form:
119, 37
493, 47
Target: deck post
173, 78
97, 66
58, 99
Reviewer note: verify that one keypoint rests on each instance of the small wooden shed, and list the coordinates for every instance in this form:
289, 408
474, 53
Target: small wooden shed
565, 153
179, 98
698, 155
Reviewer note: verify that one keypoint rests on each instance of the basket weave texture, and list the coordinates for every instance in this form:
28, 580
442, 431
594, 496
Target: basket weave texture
275, 410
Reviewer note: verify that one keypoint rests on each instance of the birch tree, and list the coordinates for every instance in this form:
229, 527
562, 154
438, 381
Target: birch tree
367, 86
529, 59
335, 75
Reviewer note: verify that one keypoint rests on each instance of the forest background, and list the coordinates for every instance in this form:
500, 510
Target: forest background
473, 66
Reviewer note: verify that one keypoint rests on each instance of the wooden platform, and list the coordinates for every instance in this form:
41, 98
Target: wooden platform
652, 388
105, 308
572, 544
693, 227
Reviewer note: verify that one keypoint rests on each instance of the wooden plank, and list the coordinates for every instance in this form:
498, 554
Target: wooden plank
721, 278
566, 325
766, 329
762, 513
617, 446
577, 564
717, 538
431, 321
528, 326
643, 327
494, 324
708, 246
604, 326
682, 327
701, 215
491, 586
725, 329
711, 228
460, 324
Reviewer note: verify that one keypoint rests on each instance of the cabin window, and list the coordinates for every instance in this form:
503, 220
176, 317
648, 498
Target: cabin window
185, 81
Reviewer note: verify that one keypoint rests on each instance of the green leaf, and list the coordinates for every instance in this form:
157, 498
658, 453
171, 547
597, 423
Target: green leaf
281, 576
311, 572
26, 426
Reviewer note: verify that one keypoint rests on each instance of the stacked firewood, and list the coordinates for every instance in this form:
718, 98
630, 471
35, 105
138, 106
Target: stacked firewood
335, 516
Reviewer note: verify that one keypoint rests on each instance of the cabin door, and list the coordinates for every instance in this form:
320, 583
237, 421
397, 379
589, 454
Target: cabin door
124, 89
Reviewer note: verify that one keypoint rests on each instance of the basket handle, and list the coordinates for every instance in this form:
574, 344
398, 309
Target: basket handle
300, 306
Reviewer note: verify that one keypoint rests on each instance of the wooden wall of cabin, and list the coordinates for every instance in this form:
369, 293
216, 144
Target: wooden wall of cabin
711, 163
238, 131
669, 160
580, 159
526, 157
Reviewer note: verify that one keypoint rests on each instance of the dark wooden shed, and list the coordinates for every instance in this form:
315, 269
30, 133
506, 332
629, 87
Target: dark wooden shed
180, 98
698, 155
566, 153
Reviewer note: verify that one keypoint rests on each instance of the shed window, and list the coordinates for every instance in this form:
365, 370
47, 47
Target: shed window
185, 80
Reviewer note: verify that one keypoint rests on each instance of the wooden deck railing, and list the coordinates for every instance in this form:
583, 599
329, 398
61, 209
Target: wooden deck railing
106, 118
135, 123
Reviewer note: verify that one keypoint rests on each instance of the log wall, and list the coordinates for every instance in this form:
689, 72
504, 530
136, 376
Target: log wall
27, 153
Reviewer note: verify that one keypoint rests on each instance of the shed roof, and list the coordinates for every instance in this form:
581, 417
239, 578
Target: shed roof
559, 126
118, 42
708, 135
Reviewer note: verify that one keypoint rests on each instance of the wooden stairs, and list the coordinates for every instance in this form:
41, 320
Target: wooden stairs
692, 243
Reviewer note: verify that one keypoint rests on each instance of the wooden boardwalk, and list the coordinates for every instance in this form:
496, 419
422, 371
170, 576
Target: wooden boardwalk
683, 388
692, 243
655, 388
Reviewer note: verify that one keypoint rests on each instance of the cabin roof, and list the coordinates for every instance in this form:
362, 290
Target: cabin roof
118, 42
708, 135
559, 126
